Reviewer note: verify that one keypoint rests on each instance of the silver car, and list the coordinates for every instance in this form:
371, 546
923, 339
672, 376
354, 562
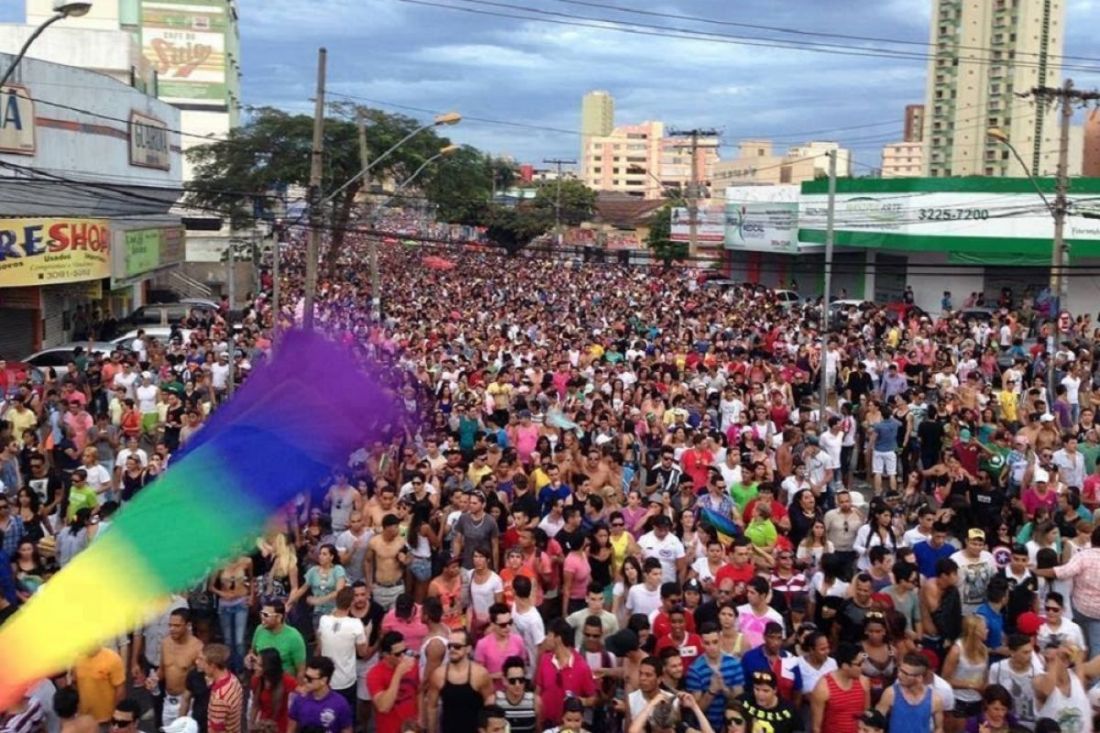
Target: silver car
58, 357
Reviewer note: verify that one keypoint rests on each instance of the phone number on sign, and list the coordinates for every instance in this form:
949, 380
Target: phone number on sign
953, 214
67, 274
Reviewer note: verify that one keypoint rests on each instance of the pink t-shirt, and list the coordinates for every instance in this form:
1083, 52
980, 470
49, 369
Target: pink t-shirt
582, 573
413, 630
1032, 501
491, 654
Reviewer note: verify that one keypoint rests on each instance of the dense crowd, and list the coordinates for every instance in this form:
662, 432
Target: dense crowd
614, 501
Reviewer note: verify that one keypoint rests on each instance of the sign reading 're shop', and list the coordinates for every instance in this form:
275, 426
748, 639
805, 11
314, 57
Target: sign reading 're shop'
51, 251
149, 144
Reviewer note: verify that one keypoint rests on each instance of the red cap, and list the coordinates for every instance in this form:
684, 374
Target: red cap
1028, 623
932, 657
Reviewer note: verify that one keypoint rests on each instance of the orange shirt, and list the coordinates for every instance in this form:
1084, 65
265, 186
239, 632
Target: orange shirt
98, 677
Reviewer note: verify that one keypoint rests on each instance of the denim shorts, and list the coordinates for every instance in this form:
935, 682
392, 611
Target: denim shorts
421, 568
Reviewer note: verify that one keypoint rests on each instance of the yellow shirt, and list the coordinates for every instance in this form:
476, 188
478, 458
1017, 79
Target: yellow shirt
21, 421
476, 474
97, 678
541, 478
1006, 398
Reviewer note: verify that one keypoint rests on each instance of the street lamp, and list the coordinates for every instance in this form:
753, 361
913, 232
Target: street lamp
375, 275
448, 118
61, 9
1058, 251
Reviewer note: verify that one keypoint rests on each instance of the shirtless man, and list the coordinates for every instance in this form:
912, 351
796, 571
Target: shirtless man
65, 704
342, 499
384, 565
179, 651
384, 503
941, 607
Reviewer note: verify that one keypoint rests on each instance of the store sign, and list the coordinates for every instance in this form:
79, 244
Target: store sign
762, 218
710, 225
16, 120
142, 251
186, 43
52, 251
149, 142
149, 249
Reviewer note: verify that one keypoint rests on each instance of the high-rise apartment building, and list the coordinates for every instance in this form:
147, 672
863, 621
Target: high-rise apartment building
597, 118
914, 123
985, 53
640, 160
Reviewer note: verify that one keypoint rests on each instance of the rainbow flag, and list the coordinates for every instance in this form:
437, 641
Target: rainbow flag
291, 423
725, 526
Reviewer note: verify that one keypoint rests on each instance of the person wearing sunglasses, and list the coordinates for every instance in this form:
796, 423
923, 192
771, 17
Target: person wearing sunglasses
320, 706
458, 690
126, 716
734, 719
766, 708
520, 706
393, 684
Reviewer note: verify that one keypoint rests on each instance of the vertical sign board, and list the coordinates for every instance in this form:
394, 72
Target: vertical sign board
149, 143
186, 44
16, 120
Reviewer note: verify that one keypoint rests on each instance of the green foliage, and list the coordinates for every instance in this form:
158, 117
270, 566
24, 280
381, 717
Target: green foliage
514, 228
578, 201
660, 233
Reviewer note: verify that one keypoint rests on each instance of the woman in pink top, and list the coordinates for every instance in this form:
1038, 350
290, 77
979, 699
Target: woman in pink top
500, 643
524, 436
576, 572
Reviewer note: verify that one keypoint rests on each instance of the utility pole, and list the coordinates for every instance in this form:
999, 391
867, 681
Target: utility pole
1067, 96
557, 200
232, 286
316, 170
826, 312
695, 185
275, 254
372, 242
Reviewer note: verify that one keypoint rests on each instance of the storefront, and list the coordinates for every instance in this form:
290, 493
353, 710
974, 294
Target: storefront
89, 170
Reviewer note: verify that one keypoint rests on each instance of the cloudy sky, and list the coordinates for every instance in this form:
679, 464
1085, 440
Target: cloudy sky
398, 55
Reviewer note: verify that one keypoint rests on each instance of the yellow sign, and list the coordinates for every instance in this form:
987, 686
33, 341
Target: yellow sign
52, 251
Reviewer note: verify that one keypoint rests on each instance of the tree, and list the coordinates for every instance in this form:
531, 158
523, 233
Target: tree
273, 149
660, 237
514, 228
578, 201
460, 187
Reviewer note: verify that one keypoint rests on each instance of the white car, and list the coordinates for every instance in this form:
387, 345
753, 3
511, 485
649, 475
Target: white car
787, 298
58, 357
160, 333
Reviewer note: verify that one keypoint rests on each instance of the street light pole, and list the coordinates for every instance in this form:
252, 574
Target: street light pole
826, 312
316, 170
62, 10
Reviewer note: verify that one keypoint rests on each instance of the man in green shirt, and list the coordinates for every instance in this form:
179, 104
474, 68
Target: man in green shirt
273, 633
81, 495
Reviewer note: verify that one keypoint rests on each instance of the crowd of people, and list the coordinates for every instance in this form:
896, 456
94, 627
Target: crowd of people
614, 501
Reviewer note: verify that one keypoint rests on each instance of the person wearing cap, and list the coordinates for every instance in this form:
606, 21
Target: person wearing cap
910, 703
764, 705
1040, 494
976, 568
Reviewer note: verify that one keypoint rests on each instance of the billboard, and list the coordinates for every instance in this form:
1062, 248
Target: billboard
145, 250
53, 251
710, 225
995, 222
186, 44
149, 145
762, 218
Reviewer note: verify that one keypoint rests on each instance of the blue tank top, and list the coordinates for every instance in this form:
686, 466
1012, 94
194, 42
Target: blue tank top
906, 717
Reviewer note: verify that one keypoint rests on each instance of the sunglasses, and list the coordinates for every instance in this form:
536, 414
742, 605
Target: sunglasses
503, 624
312, 678
119, 723
454, 646
734, 720
517, 680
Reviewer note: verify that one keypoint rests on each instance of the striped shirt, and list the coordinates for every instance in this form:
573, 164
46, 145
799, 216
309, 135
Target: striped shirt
698, 680
31, 720
225, 709
521, 716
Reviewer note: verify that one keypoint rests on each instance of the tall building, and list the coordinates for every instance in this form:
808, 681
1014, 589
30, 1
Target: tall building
597, 118
914, 123
757, 164
640, 160
1090, 165
988, 51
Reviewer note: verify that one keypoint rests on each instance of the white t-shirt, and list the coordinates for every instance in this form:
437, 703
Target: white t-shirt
125, 453
831, 443
1073, 386
126, 381
219, 375
811, 674
338, 636
483, 595
531, 629
640, 599
98, 477
702, 569
668, 551
147, 398
344, 542
1068, 632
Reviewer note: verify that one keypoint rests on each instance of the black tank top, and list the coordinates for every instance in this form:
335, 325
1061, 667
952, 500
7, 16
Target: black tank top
461, 704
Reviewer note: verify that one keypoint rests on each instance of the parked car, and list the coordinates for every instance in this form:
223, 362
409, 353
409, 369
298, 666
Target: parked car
977, 314
58, 357
160, 333
787, 298
164, 314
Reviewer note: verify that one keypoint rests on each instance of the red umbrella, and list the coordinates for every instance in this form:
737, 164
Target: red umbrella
434, 262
